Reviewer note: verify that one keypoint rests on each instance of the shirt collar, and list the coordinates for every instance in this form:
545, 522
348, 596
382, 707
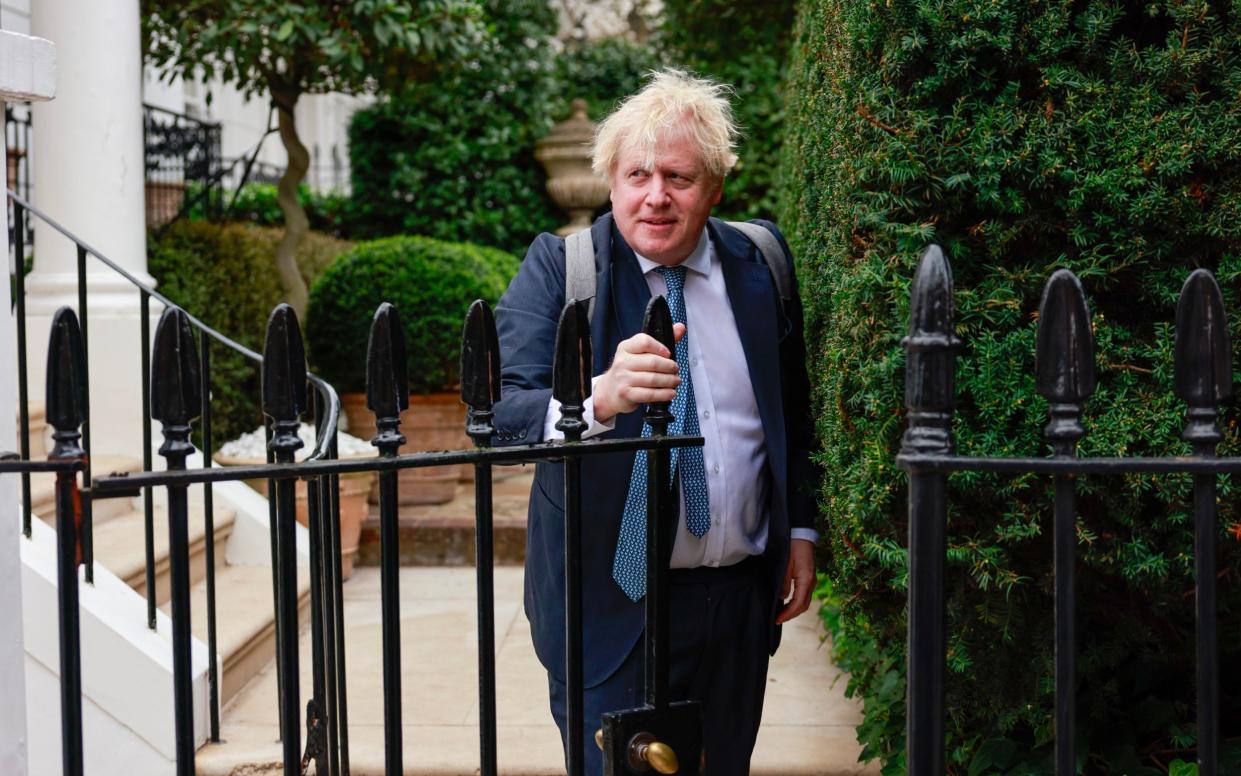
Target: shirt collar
699, 259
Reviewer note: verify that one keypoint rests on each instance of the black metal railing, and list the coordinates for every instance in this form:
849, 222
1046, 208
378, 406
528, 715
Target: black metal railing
1065, 377
327, 596
17, 133
176, 387
183, 165
66, 391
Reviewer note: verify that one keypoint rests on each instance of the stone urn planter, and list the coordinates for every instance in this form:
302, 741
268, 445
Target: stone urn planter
432, 422
572, 184
355, 488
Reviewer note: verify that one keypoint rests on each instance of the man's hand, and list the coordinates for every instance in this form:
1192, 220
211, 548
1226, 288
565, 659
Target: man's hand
642, 372
798, 580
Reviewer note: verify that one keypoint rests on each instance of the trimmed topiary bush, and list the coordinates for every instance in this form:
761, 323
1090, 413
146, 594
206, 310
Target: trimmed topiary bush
431, 283
222, 274
1096, 136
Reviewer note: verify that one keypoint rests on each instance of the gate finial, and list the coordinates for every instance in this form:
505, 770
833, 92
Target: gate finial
657, 323
1203, 355
387, 378
480, 370
572, 367
930, 353
176, 390
284, 379
1064, 356
66, 384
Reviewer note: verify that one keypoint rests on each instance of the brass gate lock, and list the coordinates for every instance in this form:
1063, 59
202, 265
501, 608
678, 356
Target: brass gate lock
645, 752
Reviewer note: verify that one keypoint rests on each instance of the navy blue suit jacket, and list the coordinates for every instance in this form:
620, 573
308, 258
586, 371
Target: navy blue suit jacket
526, 318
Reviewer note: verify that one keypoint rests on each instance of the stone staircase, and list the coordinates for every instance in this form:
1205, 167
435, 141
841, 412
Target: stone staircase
245, 625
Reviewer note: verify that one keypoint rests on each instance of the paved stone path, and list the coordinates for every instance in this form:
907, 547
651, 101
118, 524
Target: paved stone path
807, 723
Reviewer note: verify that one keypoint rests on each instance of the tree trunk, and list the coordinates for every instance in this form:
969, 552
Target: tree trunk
296, 225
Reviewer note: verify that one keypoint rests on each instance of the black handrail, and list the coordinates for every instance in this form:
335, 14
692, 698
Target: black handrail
326, 392
328, 404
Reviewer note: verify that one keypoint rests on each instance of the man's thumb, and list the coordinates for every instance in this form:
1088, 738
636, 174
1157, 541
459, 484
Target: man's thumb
678, 331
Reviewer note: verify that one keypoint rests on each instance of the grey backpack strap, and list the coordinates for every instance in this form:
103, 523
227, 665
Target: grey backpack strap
579, 269
773, 254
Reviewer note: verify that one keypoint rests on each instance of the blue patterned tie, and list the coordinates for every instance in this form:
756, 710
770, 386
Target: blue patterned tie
629, 566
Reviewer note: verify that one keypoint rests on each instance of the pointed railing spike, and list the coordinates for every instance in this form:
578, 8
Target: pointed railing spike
66, 373
480, 358
1203, 347
480, 370
930, 349
387, 381
176, 390
1064, 353
284, 379
657, 322
572, 366
1064, 358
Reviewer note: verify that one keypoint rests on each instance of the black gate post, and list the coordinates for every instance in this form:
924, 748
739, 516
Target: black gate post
284, 401
175, 402
929, 398
66, 394
387, 394
1064, 365
480, 390
571, 387
1203, 379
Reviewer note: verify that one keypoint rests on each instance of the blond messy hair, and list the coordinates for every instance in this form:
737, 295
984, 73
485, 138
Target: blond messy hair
672, 102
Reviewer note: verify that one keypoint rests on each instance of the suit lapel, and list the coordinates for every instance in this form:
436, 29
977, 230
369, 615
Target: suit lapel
751, 294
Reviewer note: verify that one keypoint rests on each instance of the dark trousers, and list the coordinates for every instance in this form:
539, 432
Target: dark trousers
720, 624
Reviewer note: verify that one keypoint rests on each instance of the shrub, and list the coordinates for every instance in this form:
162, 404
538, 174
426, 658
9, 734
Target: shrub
431, 283
744, 45
256, 204
1095, 136
453, 158
224, 276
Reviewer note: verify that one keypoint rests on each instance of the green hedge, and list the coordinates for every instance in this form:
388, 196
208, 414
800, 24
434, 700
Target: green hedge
431, 283
1096, 136
745, 45
256, 204
224, 276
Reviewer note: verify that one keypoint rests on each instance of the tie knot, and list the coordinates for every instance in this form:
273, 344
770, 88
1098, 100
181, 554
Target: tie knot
674, 277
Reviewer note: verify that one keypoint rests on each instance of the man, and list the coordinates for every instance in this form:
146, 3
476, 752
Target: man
743, 552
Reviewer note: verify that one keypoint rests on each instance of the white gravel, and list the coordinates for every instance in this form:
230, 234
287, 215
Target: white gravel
254, 445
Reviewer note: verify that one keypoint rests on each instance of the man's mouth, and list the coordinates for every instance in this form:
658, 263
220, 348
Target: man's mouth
659, 221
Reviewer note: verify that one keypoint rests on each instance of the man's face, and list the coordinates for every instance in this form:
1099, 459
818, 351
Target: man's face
661, 210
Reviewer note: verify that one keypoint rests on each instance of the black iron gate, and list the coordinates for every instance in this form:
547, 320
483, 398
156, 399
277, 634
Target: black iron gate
1065, 377
656, 736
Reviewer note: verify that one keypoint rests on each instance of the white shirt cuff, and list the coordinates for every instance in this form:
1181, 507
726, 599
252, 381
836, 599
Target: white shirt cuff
809, 534
594, 427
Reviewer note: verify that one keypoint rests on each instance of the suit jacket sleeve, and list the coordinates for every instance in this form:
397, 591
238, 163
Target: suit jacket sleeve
526, 320
803, 474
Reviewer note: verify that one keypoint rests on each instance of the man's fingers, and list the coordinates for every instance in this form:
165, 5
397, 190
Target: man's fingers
639, 395
799, 603
649, 362
644, 343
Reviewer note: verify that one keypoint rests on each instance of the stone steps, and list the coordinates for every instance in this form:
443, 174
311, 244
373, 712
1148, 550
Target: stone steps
443, 534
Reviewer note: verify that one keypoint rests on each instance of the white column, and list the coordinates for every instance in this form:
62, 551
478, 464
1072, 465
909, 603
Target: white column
88, 166
27, 72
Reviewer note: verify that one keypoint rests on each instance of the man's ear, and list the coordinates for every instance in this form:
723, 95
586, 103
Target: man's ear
719, 192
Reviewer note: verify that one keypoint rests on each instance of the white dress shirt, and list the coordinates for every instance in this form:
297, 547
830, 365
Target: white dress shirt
735, 448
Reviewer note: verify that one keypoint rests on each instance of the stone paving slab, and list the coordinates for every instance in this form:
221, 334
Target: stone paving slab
807, 725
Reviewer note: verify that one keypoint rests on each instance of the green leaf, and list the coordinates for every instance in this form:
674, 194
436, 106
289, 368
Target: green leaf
994, 754
285, 30
1182, 768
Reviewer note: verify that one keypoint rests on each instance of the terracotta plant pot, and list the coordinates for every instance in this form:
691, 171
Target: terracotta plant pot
354, 490
434, 422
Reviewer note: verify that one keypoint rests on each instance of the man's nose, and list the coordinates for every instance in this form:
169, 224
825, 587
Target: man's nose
657, 192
